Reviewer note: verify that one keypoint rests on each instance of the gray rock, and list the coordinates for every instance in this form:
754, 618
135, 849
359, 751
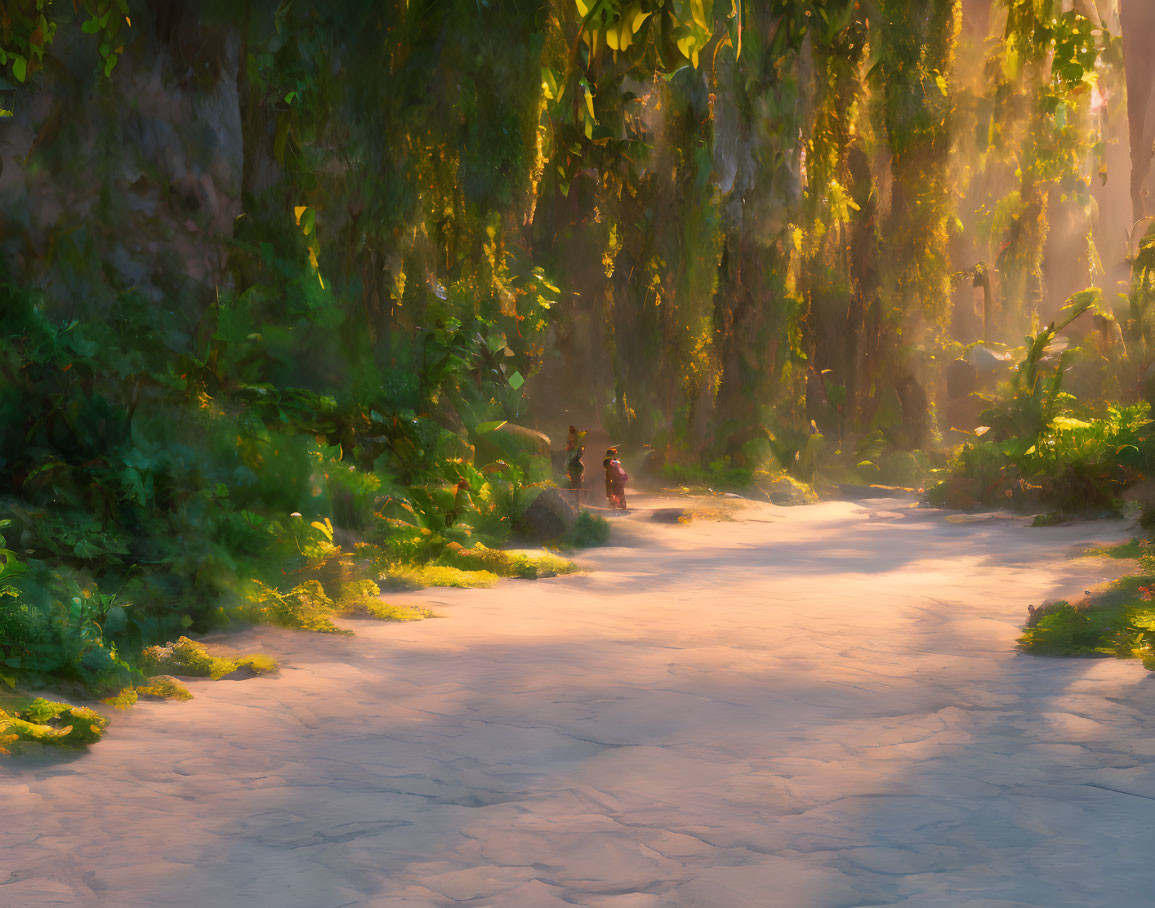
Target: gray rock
551, 515
984, 359
784, 491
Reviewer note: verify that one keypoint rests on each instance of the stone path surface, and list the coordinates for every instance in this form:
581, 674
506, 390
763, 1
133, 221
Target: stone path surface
817, 706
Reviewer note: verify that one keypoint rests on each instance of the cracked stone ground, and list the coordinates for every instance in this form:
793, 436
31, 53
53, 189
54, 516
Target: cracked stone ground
817, 706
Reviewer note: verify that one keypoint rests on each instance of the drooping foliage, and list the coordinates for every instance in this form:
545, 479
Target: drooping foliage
282, 281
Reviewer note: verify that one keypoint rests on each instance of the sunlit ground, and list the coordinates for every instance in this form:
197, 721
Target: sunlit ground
813, 706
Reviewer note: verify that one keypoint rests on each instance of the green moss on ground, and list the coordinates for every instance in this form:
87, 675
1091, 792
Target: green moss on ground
50, 722
1131, 549
1118, 621
410, 577
6, 735
166, 687
526, 565
191, 659
385, 611
363, 597
161, 687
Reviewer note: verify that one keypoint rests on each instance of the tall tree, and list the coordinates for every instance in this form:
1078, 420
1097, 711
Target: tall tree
1139, 52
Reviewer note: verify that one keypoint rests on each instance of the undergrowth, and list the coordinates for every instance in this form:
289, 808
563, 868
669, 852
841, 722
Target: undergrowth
1044, 449
588, 531
1118, 621
147, 493
48, 722
191, 659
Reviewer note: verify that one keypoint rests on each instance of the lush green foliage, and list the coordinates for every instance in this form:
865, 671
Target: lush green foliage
1042, 447
729, 230
46, 722
149, 492
589, 530
1120, 621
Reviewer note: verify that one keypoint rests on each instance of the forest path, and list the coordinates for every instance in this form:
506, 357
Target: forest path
818, 706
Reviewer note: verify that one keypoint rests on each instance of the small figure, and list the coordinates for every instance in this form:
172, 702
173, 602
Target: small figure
616, 479
461, 502
574, 468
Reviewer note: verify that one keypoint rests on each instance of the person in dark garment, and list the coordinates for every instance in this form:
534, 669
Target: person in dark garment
575, 470
616, 479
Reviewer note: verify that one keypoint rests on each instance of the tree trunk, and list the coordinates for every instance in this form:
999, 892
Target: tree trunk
1138, 17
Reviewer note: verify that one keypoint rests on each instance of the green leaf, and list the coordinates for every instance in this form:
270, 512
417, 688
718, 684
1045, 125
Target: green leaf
19, 67
516, 380
492, 426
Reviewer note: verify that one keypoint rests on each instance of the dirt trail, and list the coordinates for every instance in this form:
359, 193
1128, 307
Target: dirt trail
817, 706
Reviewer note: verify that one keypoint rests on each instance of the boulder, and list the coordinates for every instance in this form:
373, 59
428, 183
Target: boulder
984, 359
784, 490
671, 515
551, 515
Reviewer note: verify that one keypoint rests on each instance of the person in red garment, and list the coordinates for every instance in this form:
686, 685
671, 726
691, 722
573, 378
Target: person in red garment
616, 479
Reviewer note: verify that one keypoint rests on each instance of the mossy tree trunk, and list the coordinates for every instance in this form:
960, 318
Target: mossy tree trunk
1138, 18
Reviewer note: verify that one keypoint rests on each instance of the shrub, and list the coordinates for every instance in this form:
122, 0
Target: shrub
305, 607
506, 564
589, 530
192, 659
417, 577
48, 722
161, 687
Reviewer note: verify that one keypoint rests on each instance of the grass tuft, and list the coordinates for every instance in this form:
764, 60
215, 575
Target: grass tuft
1131, 549
589, 531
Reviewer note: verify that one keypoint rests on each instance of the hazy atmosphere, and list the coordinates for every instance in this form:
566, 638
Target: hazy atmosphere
577, 452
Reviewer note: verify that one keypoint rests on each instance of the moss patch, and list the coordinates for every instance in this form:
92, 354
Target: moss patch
384, 611
6, 736
363, 597
527, 565
50, 722
166, 687
190, 659
784, 489
1119, 621
715, 514
408, 577
162, 687
1131, 549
